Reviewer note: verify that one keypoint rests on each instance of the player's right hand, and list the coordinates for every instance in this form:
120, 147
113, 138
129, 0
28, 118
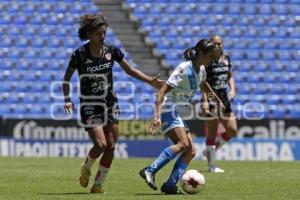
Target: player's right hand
155, 123
205, 108
68, 107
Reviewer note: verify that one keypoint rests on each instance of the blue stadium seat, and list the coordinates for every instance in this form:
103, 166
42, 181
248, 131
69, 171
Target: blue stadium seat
6, 20
268, 55
29, 31
20, 20
265, 9
38, 42
250, 9
29, 99
234, 9
261, 67
236, 55
270, 79
52, 20
77, 8
273, 99
45, 8
6, 42
289, 100
244, 89
262, 89
14, 31
38, 88
294, 113
253, 55
278, 90
29, 8
4, 109
285, 56
279, 112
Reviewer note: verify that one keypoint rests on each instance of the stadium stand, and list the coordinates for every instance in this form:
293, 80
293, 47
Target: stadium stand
261, 36
37, 39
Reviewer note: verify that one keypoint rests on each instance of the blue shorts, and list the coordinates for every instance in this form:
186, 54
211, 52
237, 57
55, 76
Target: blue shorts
171, 120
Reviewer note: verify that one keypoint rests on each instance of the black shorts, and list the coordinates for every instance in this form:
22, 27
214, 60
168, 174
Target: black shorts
98, 114
214, 109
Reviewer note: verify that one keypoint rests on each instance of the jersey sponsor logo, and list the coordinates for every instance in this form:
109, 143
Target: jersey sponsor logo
88, 61
181, 70
221, 69
99, 67
100, 86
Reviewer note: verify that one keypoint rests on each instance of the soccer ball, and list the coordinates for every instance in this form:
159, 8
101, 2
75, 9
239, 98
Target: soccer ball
192, 182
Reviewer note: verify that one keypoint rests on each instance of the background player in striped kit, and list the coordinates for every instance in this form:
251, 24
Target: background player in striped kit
219, 76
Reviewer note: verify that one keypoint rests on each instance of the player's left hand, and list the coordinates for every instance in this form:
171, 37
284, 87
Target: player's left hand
155, 123
156, 82
232, 96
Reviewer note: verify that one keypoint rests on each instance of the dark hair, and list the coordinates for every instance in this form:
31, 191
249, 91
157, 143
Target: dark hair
90, 22
202, 45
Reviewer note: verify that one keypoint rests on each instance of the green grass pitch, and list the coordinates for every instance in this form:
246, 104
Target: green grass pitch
57, 178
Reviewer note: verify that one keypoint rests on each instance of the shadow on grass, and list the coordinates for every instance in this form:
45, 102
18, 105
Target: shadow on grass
156, 194
63, 193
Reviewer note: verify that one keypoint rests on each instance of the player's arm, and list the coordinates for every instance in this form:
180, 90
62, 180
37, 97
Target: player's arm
153, 81
205, 88
231, 84
66, 89
204, 103
159, 99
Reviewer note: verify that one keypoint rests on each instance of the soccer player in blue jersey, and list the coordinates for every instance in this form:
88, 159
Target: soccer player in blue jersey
170, 110
98, 103
219, 76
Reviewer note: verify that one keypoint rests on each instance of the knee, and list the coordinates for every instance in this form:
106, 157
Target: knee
111, 146
101, 145
193, 152
184, 146
232, 131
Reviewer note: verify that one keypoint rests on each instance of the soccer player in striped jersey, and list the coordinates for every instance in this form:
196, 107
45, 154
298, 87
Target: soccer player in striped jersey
98, 103
219, 76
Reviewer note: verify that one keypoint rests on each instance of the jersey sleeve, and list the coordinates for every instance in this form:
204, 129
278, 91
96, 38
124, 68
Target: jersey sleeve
74, 60
117, 54
176, 76
229, 63
202, 74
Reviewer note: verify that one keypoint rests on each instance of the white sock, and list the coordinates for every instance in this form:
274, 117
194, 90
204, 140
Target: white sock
89, 162
101, 175
221, 142
211, 151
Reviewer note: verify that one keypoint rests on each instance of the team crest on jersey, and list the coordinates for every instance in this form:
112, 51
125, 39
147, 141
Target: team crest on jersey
108, 56
89, 121
181, 71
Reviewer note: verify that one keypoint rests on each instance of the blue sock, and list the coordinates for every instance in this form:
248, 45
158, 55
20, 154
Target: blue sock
177, 172
166, 155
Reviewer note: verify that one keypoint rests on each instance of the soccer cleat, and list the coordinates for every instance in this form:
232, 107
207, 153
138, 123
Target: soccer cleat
84, 176
149, 178
97, 189
169, 190
215, 170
